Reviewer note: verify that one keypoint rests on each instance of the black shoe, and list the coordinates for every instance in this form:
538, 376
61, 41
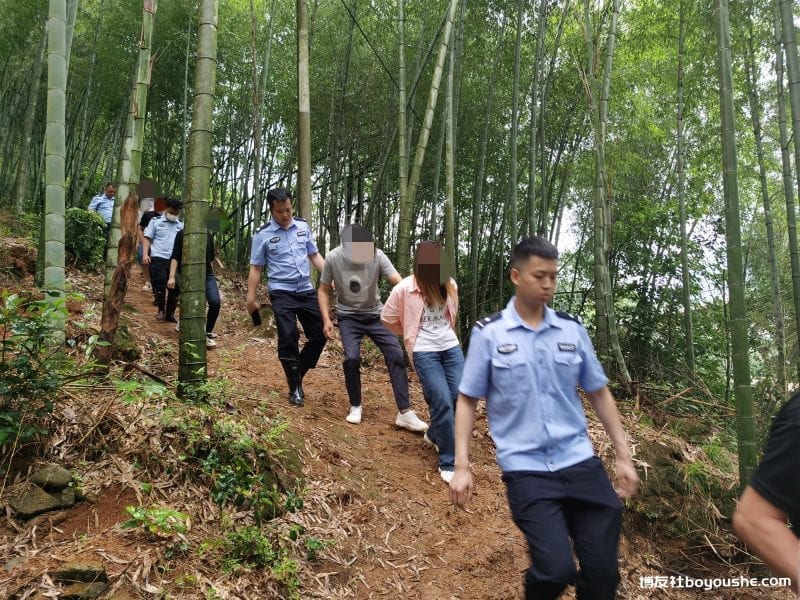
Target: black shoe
171, 319
160, 316
296, 397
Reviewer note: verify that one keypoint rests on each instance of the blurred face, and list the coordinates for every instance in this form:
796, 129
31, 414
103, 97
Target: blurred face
282, 212
111, 191
359, 253
431, 266
535, 280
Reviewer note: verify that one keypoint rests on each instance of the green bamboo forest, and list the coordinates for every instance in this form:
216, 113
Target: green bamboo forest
654, 143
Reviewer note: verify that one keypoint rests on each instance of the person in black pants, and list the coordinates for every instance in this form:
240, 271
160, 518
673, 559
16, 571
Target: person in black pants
212, 288
773, 498
527, 361
159, 239
286, 245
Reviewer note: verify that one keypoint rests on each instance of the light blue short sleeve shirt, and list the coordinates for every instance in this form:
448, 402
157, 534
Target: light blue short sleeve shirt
529, 379
161, 232
103, 206
285, 252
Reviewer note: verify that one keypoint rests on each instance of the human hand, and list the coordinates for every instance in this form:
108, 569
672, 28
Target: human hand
328, 329
171, 283
146, 259
461, 486
252, 305
627, 478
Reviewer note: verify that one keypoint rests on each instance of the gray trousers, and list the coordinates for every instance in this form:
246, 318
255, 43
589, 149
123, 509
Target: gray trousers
353, 328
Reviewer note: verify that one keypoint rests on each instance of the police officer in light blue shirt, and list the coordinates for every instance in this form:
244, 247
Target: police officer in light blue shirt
527, 361
285, 245
159, 240
103, 204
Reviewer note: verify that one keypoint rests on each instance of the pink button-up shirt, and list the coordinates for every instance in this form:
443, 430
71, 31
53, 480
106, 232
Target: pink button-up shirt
402, 313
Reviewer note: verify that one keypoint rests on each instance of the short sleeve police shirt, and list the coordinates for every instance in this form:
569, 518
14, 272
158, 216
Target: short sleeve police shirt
776, 478
529, 379
161, 232
285, 252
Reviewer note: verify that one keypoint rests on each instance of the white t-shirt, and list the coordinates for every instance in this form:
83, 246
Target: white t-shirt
435, 333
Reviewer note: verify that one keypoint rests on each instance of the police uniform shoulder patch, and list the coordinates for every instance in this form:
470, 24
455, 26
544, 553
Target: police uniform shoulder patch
569, 317
481, 323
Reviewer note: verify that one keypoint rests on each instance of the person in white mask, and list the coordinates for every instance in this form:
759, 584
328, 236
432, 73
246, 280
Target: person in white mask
159, 239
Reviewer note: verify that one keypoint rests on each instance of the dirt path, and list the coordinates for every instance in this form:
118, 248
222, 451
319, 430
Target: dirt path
407, 539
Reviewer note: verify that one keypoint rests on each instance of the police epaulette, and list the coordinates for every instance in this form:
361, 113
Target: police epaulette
300, 219
263, 227
569, 317
481, 323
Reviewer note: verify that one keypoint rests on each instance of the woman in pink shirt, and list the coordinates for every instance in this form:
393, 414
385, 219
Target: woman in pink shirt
423, 308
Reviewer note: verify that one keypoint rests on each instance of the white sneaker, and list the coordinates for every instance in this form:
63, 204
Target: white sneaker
178, 326
409, 420
210, 343
355, 415
211, 334
429, 441
147, 287
447, 476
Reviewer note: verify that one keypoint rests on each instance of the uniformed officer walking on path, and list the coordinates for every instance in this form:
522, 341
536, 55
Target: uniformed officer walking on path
285, 244
526, 361
159, 239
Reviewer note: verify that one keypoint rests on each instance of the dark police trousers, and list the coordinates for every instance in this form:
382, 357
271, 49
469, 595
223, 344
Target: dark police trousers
288, 307
166, 299
577, 502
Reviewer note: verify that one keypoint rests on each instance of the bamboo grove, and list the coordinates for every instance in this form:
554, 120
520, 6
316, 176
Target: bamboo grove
652, 141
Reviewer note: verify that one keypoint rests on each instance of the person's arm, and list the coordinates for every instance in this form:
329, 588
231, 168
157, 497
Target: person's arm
93, 204
146, 251
603, 403
253, 279
394, 278
317, 260
324, 299
461, 485
762, 526
173, 269
390, 313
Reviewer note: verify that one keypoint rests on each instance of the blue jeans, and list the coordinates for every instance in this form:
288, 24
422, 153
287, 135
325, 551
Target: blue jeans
440, 373
214, 302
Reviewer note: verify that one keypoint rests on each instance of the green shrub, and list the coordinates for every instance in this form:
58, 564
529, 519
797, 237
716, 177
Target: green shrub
157, 520
85, 237
248, 547
29, 365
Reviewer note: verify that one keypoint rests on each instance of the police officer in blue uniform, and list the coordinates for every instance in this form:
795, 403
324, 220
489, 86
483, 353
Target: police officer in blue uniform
527, 361
285, 244
159, 240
